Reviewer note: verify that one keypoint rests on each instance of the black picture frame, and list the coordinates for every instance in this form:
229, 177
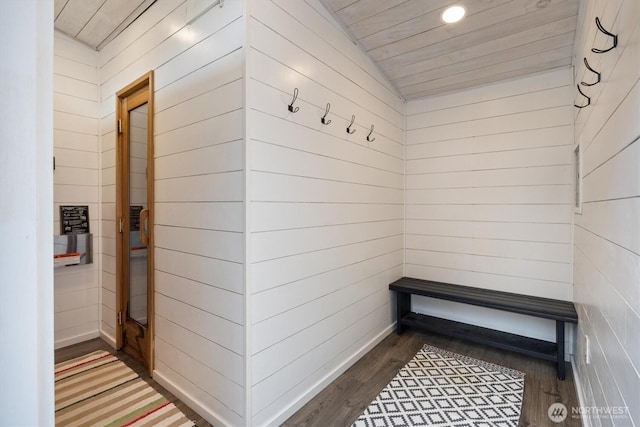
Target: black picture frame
74, 219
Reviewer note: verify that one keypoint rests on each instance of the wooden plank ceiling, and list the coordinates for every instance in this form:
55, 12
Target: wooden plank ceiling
96, 22
498, 39
421, 55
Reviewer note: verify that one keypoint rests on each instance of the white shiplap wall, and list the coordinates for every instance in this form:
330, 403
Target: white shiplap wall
199, 301
75, 122
607, 236
325, 213
488, 195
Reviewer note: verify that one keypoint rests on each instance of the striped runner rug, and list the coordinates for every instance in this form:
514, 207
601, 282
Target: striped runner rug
99, 390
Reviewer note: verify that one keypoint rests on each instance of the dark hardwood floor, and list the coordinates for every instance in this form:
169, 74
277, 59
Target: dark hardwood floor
345, 399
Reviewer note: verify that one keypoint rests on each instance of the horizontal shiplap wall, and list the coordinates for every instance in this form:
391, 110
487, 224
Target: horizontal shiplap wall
488, 192
75, 131
199, 301
326, 207
607, 233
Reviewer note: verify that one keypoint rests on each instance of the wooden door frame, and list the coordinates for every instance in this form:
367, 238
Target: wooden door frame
141, 88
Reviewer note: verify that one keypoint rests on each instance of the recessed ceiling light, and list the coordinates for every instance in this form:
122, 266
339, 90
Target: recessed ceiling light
453, 14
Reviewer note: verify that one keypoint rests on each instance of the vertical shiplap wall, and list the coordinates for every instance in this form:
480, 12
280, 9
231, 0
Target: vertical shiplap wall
326, 208
75, 137
488, 194
607, 233
199, 301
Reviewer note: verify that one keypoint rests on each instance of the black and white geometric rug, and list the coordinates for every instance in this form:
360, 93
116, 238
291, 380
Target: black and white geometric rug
440, 388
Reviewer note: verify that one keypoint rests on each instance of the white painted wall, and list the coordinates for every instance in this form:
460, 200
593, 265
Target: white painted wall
325, 215
199, 301
488, 195
26, 198
607, 233
75, 141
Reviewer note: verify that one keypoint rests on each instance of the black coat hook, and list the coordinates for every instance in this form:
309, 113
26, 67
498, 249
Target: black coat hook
614, 36
588, 99
324, 120
349, 130
586, 63
369, 136
295, 96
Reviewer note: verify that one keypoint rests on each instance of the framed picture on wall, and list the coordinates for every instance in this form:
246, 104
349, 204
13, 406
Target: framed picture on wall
74, 219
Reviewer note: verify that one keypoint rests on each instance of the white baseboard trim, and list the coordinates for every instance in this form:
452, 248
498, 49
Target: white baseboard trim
76, 339
586, 421
193, 403
283, 415
111, 340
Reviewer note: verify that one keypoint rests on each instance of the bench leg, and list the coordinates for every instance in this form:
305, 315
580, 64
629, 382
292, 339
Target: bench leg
560, 343
403, 306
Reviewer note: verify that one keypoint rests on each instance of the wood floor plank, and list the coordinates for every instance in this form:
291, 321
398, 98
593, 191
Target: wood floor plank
380, 365
340, 403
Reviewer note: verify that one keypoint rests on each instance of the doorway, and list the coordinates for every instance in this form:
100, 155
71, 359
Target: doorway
134, 220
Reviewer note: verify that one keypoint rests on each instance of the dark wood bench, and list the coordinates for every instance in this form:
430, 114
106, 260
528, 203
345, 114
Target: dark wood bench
560, 311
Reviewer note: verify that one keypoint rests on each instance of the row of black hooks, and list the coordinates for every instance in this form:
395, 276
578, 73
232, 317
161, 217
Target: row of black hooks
324, 120
586, 63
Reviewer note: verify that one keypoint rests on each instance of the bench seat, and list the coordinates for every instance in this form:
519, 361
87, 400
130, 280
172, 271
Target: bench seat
560, 311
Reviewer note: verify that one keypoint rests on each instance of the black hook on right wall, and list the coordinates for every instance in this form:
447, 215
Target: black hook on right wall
597, 73
614, 36
588, 99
